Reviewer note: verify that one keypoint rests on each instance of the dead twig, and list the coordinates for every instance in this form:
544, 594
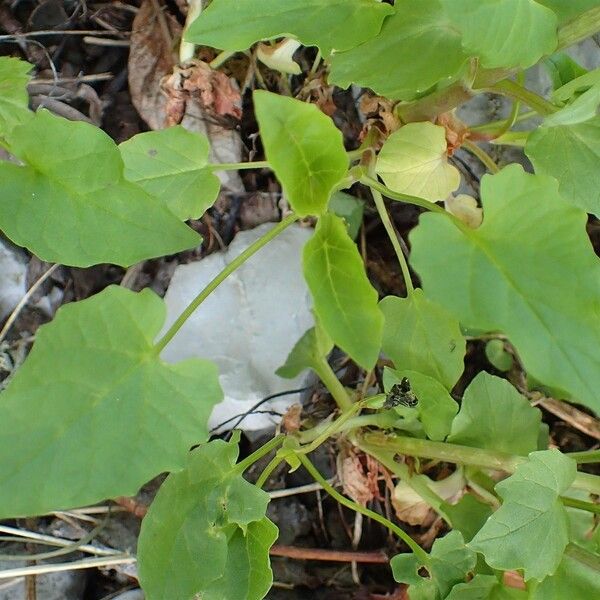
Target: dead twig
379, 558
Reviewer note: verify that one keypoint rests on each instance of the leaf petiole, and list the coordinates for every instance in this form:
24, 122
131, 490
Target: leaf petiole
258, 454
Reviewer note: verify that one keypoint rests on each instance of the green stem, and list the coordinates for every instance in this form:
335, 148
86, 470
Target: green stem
221, 58
583, 556
498, 126
416, 482
510, 88
580, 28
257, 164
258, 454
482, 155
382, 189
586, 457
418, 551
581, 505
466, 455
387, 223
273, 464
237, 262
332, 383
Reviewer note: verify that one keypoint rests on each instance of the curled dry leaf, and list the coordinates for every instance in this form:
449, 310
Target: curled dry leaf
359, 480
456, 131
412, 509
193, 95
465, 208
291, 420
280, 56
378, 112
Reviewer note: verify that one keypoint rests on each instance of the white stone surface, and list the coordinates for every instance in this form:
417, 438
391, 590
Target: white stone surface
249, 324
13, 274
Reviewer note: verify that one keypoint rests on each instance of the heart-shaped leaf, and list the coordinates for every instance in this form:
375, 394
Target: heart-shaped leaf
94, 413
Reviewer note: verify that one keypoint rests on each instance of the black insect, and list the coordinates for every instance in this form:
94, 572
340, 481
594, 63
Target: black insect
401, 394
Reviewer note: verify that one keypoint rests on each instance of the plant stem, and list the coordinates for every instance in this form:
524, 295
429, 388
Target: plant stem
579, 28
510, 88
257, 164
382, 189
221, 58
332, 383
466, 455
581, 504
387, 223
482, 155
258, 454
418, 551
273, 464
501, 125
237, 262
586, 457
583, 556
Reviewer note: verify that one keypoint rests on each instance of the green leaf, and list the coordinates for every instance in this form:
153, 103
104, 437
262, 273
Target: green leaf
328, 24
468, 515
414, 160
436, 408
568, 9
70, 204
345, 302
417, 47
450, 561
206, 534
485, 587
309, 351
573, 580
498, 356
14, 99
497, 278
571, 154
351, 209
423, 336
504, 33
94, 413
170, 164
562, 69
493, 415
303, 147
530, 530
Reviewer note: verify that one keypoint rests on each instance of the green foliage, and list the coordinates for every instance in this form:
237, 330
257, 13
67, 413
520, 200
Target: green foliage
351, 209
504, 33
567, 10
494, 415
495, 278
72, 181
414, 161
449, 563
14, 100
206, 534
573, 580
497, 355
328, 24
423, 336
531, 518
484, 587
308, 352
468, 515
304, 148
571, 154
436, 408
418, 46
93, 397
171, 164
344, 300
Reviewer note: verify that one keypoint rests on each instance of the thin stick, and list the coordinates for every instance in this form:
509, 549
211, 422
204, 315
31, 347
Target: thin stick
375, 558
88, 563
301, 489
16, 36
99, 41
54, 541
24, 300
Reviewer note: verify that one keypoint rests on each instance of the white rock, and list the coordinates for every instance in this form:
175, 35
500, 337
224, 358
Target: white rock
249, 324
13, 271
